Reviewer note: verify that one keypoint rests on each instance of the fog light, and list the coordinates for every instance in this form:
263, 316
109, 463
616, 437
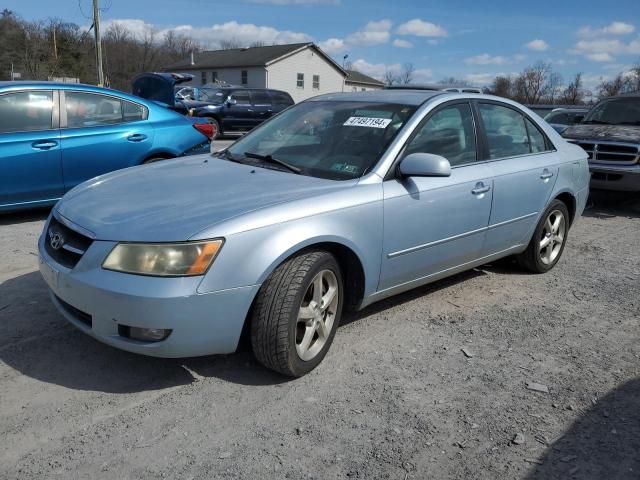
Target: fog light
143, 334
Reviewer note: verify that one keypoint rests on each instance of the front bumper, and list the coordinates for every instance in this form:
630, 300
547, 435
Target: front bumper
97, 301
614, 177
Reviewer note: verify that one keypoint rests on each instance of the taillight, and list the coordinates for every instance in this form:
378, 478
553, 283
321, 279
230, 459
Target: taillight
204, 128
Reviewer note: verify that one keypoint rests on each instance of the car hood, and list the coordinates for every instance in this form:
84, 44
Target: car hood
610, 133
173, 200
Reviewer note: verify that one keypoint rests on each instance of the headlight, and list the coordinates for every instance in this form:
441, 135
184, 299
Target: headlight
163, 259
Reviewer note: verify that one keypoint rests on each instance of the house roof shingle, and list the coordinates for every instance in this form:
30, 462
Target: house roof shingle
237, 57
354, 76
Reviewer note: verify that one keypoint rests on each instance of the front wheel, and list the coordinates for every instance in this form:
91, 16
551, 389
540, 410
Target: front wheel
297, 312
548, 240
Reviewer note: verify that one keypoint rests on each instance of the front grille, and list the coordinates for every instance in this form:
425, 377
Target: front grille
619, 153
64, 245
79, 315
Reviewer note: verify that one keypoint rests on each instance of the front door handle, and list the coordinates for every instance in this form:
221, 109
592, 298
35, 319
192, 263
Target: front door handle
546, 174
44, 144
480, 188
136, 137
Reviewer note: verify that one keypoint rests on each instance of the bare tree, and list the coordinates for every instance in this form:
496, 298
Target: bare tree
502, 86
230, 44
405, 76
532, 83
454, 82
574, 94
553, 87
390, 77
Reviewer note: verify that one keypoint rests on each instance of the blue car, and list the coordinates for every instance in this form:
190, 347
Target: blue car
336, 203
54, 136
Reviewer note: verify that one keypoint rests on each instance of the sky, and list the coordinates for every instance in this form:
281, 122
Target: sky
465, 39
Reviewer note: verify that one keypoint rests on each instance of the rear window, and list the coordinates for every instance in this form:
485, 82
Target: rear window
281, 99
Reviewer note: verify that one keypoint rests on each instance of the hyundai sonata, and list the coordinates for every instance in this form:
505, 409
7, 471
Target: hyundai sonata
337, 202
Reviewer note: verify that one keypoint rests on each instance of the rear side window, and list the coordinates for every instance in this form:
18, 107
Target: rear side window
506, 132
26, 111
449, 133
260, 97
132, 112
281, 99
92, 109
536, 138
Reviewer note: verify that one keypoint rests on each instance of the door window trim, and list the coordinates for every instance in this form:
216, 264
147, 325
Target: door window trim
549, 146
63, 109
55, 109
392, 172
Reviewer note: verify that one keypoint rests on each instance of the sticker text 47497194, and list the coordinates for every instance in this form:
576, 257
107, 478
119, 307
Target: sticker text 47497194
370, 122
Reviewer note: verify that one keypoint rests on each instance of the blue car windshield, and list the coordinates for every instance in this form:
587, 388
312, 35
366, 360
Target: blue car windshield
328, 139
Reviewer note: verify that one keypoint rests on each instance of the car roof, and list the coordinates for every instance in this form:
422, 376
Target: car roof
402, 96
39, 84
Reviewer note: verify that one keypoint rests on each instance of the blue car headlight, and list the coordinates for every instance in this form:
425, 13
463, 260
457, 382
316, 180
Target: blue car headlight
163, 259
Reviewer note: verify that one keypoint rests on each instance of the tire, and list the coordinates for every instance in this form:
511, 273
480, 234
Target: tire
288, 333
539, 259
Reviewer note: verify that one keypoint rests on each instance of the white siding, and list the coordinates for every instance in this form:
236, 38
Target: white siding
359, 87
282, 75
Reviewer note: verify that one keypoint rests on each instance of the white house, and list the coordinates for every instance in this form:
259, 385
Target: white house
359, 82
301, 69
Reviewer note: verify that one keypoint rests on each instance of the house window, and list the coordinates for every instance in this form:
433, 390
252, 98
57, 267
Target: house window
203, 77
300, 82
214, 76
316, 82
244, 77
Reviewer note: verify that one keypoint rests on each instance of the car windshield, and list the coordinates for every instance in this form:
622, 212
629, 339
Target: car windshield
212, 95
619, 111
327, 139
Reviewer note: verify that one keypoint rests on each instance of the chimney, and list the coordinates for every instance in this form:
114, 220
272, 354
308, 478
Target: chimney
193, 62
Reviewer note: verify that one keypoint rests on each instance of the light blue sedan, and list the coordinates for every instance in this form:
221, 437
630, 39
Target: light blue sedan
336, 203
54, 136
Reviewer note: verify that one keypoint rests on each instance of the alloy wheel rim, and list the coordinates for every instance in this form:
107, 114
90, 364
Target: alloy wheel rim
316, 315
552, 237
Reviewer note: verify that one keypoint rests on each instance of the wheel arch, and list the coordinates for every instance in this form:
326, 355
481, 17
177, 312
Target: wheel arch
570, 201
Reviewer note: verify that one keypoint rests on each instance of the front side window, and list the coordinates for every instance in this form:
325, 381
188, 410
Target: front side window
316, 82
505, 129
244, 77
449, 133
26, 111
334, 140
241, 97
300, 80
212, 95
92, 109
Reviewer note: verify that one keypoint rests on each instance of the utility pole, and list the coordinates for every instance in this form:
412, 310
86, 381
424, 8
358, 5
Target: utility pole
96, 29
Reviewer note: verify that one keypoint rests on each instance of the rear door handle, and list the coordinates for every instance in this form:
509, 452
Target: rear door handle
546, 174
136, 137
480, 188
44, 144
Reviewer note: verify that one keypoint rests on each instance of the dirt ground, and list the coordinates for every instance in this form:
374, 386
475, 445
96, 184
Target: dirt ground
395, 398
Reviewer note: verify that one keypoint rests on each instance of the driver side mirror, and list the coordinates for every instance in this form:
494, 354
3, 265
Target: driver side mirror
231, 101
424, 165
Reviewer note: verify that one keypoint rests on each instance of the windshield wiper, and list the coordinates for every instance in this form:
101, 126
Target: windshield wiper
227, 155
271, 159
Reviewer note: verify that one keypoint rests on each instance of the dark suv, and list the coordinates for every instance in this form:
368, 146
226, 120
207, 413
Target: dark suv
610, 134
228, 108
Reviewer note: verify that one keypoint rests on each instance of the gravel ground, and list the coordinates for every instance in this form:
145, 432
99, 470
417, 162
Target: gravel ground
396, 397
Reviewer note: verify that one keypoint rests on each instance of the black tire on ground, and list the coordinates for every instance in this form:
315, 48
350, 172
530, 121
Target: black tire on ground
274, 318
531, 258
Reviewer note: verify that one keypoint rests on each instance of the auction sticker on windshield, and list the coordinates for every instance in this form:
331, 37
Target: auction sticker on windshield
367, 122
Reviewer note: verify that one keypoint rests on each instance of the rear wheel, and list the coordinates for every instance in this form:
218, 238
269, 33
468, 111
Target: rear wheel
549, 239
297, 312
